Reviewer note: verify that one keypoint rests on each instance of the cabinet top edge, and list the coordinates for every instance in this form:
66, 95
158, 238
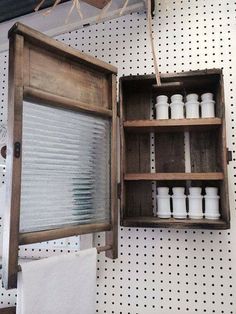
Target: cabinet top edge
214, 71
52, 44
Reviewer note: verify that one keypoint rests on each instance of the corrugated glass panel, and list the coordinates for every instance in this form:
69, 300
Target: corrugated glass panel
65, 168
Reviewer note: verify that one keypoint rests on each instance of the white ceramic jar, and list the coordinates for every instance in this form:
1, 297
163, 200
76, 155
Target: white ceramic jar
212, 207
163, 202
176, 98
162, 111
211, 191
162, 99
192, 109
178, 191
195, 207
207, 96
179, 203
179, 207
192, 97
207, 105
195, 191
177, 110
162, 107
163, 191
163, 206
208, 109
212, 210
177, 106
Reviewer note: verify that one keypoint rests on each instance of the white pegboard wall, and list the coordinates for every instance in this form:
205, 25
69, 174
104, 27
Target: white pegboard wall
161, 270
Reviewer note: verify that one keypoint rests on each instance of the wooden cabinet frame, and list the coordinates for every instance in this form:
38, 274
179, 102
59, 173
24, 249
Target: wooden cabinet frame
38, 65
208, 151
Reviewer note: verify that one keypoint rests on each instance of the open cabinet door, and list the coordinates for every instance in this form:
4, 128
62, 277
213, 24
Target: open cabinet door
61, 150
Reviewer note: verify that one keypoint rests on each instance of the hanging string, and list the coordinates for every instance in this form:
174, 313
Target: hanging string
39, 5
149, 25
124, 7
78, 8
104, 11
53, 7
70, 11
75, 4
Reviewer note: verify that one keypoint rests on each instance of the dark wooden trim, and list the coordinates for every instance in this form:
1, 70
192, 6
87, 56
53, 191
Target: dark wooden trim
172, 125
104, 248
122, 151
60, 48
112, 236
45, 98
13, 164
223, 152
8, 310
153, 222
175, 176
47, 235
172, 76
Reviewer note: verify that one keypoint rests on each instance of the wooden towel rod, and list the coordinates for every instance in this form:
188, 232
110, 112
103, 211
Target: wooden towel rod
99, 250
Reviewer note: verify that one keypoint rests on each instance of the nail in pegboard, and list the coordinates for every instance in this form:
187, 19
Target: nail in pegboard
161, 270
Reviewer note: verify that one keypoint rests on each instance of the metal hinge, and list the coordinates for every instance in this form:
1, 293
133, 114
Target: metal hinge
118, 190
118, 108
229, 156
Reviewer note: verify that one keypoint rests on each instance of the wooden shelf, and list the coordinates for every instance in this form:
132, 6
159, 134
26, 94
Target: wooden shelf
174, 176
154, 222
172, 125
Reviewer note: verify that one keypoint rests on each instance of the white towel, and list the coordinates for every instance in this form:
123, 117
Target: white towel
64, 284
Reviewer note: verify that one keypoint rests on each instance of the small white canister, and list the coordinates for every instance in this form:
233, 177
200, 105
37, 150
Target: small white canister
163, 191
195, 191
211, 191
207, 96
195, 207
179, 203
192, 97
178, 191
163, 202
212, 210
207, 105
162, 111
177, 106
163, 206
177, 110
192, 109
208, 109
212, 204
162, 107
162, 99
179, 207
176, 98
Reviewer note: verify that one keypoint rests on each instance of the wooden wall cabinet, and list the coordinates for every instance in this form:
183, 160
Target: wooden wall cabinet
208, 153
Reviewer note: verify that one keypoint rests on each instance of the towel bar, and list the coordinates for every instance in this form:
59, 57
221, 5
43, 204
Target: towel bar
99, 250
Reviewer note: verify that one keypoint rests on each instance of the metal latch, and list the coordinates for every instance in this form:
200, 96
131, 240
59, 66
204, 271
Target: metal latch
17, 149
229, 156
118, 190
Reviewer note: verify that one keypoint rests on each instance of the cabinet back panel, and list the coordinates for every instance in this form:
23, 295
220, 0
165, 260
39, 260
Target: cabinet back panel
204, 152
137, 101
137, 153
169, 152
138, 199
